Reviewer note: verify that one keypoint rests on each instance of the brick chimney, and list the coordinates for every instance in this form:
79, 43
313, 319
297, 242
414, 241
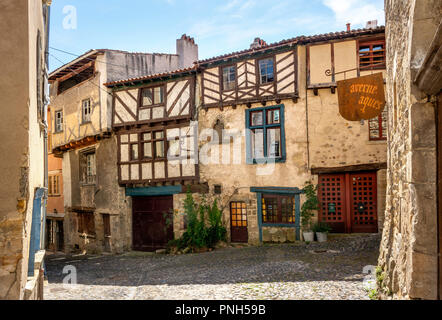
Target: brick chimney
187, 51
258, 43
348, 27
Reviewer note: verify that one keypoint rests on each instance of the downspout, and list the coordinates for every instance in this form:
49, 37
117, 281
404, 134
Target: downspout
306, 109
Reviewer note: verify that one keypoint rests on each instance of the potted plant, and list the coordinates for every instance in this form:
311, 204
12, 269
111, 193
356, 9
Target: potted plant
321, 229
310, 205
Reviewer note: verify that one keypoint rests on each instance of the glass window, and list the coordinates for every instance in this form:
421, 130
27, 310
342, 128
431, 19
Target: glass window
86, 111
159, 149
229, 78
278, 209
58, 121
266, 134
266, 71
152, 96
134, 152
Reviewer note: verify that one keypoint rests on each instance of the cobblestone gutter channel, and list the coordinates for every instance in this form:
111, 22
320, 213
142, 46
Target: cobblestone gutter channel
333, 270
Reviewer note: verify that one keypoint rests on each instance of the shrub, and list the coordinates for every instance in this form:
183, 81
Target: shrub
321, 227
310, 205
201, 233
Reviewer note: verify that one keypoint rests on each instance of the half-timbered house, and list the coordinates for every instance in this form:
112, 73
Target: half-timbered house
96, 206
278, 108
157, 157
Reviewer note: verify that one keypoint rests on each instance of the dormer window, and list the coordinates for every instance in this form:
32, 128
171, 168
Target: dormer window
229, 78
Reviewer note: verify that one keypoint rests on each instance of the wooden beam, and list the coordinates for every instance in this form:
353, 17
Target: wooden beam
353, 168
75, 72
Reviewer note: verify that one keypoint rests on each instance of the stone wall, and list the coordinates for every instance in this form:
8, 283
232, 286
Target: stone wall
408, 255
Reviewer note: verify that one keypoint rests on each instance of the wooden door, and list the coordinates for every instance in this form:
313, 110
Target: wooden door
151, 230
332, 198
348, 202
238, 222
363, 203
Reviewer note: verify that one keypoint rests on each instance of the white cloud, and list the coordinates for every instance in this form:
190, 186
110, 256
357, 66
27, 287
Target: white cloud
356, 12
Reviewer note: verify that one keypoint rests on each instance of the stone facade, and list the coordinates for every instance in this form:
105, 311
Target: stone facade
409, 250
22, 147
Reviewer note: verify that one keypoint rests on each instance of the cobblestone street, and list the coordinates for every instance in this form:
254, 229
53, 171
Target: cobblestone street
332, 270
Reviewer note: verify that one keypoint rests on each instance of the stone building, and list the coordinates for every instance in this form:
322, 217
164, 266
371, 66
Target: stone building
266, 121
280, 105
23, 87
410, 256
95, 205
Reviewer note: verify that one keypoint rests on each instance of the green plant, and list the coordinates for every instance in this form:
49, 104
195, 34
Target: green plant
373, 294
321, 227
201, 232
310, 205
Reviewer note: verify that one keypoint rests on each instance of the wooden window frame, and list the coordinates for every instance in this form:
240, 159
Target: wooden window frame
85, 178
86, 118
58, 125
235, 87
259, 75
279, 215
380, 120
54, 185
250, 153
371, 43
244, 209
154, 104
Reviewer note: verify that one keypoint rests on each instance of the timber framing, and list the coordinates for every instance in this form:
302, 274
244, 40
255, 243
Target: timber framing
353, 168
82, 143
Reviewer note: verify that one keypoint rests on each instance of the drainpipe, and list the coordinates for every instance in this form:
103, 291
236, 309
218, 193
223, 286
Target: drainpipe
306, 111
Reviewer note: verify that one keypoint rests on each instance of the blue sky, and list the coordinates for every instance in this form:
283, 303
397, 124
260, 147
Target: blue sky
218, 26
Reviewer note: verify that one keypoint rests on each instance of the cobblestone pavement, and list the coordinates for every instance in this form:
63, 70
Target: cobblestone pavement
333, 270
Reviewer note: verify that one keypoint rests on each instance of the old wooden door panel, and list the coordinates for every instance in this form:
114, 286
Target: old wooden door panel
150, 228
348, 202
332, 198
364, 210
238, 222
439, 186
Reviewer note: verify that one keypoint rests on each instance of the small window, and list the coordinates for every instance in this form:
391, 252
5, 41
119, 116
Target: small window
372, 55
134, 152
86, 223
58, 121
229, 78
266, 134
278, 209
152, 96
153, 145
87, 168
378, 127
86, 111
54, 185
266, 71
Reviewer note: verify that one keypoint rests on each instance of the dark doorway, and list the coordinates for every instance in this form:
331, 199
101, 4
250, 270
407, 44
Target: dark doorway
152, 223
348, 202
238, 222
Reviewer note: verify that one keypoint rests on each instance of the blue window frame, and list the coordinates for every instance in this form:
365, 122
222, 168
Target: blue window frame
265, 136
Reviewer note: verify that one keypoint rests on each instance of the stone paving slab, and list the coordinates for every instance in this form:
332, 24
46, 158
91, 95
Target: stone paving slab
333, 270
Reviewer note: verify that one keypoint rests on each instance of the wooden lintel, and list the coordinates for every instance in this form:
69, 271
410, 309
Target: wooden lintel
353, 168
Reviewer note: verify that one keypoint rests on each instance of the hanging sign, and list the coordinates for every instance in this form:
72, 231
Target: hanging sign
361, 98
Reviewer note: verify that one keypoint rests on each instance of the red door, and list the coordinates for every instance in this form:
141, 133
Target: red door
238, 222
348, 202
151, 230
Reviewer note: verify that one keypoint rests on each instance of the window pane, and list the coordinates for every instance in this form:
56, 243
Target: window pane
159, 135
147, 150
229, 78
274, 142
159, 149
257, 118
147, 136
273, 116
266, 70
258, 143
158, 95
134, 152
147, 97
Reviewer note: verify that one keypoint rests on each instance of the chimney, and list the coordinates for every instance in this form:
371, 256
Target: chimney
187, 51
348, 27
258, 43
373, 24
